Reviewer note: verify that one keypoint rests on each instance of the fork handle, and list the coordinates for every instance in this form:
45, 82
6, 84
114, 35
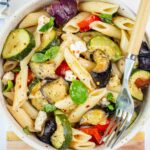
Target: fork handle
139, 27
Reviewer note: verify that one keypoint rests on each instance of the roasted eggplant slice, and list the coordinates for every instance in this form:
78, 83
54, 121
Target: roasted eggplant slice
144, 57
55, 90
101, 73
43, 70
94, 117
50, 128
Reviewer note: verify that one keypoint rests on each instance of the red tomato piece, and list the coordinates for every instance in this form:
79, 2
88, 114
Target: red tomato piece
30, 76
102, 128
142, 83
85, 24
60, 71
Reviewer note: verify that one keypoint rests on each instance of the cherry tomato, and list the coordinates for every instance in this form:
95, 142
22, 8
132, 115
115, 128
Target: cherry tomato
60, 71
30, 76
85, 24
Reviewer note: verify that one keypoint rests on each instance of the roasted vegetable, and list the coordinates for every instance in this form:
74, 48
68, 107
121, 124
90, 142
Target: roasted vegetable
144, 57
101, 73
49, 129
55, 90
43, 70
62, 10
107, 45
62, 137
18, 44
94, 117
138, 77
39, 103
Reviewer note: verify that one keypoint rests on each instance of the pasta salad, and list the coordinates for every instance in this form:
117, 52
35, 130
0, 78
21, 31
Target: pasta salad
63, 69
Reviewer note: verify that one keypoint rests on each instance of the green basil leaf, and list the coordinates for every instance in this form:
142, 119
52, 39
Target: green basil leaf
47, 26
111, 107
106, 18
9, 86
52, 52
78, 92
38, 57
110, 97
49, 108
26, 130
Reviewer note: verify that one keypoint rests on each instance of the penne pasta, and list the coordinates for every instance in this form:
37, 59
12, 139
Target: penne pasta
78, 70
9, 95
22, 118
21, 88
106, 29
124, 42
98, 7
10, 65
32, 19
30, 110
93, 99
116, 71
123, 23
88, 65
80, 140
32, 29
66, 104
72, 25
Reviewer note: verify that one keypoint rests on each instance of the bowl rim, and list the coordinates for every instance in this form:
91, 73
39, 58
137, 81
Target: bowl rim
39, 145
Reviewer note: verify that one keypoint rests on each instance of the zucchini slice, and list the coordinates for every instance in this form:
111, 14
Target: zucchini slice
18, 44
62, 137
135, 91
47, 39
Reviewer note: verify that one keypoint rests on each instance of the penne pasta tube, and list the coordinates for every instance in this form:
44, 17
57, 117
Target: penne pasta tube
21, 88
124, 42
22, 118
93, 99
79, 136
30, 110
9, 65
66, 104
32, 19
106, 29
79, 70
116, 71
83, 146
98, 7
72, 25
88, 65
123, 23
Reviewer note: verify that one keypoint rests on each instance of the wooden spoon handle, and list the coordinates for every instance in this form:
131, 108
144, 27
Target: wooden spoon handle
139, 27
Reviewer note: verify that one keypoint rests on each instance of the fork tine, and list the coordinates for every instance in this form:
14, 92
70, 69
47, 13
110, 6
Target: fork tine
120, 134
122, 122
118, 120
108, 129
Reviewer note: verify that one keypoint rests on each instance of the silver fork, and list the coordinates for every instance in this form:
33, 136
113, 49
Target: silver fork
124, 103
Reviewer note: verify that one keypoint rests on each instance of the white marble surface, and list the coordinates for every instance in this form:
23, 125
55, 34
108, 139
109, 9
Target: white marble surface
4, 125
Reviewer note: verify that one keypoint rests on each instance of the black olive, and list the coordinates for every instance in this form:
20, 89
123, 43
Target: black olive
102, 79
50, 128
144, 57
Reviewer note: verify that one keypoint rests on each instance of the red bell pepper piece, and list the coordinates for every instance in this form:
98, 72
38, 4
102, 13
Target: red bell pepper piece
96, 136
142, 83
60, 71
85, 24
103, 128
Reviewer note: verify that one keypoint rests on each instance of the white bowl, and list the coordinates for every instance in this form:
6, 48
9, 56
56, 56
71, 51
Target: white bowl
13, 21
